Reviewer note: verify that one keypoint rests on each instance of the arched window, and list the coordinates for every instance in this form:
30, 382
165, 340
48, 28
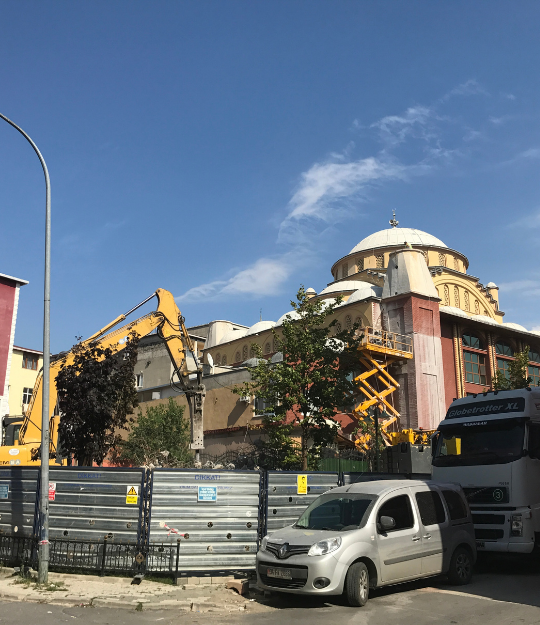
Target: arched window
442, 259
470, 340
534, 370
534, 356
338, 328
467, 306
476, 307
446, 295
217, 358
245, 352
360, 264
345, 270
358, 321
426, 257
456, 264
456, 297
267, 348
348, 322
224, 359
237, 357
503, 349
379, 261
252, 352
475, 362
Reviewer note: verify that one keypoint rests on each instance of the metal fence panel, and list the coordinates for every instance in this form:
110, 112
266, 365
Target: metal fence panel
218, 513
89, 503
353, 478
284, 501
18, 499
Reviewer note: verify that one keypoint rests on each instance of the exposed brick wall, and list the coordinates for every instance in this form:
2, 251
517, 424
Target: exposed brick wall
449, 365
7, 306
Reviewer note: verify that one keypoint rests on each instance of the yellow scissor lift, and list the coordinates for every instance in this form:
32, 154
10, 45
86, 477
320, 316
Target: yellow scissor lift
379, 349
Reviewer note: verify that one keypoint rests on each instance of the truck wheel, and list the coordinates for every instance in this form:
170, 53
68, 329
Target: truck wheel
460, 571
357, 584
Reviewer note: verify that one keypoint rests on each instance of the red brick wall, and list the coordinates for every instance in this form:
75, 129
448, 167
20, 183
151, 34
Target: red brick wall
7, 303
449, 367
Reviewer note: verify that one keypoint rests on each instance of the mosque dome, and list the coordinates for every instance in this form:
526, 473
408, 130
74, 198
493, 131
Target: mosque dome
452, 310
346, 285
368, 291
289, 316
515, 326
260, 326
232, 335
397, 236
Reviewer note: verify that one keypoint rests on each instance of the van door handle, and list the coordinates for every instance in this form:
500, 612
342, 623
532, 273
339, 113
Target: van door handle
427, 535
415, 538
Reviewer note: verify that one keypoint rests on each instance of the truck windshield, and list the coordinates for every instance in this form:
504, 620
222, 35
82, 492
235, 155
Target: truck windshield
344, 512
479, 442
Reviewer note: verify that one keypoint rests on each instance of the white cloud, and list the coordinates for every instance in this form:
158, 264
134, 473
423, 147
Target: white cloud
470, 87
529, 221
396, 129
526, 288
530, 153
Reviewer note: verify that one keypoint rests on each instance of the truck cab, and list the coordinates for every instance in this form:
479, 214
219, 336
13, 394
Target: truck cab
490, 444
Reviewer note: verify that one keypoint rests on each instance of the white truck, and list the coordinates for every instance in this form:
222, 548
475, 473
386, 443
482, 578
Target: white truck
490, 444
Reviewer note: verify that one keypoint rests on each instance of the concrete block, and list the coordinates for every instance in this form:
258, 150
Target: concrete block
193, 580
240, 585
222, 580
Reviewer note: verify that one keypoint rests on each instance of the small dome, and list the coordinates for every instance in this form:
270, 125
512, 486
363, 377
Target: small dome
537, 332
365, 293
491, 285
485, 319
345, 285
277, 357
232, 335
252, 362
260, 326
452, 310
397, 236
311, 291
331, 300
290, 316
515, 326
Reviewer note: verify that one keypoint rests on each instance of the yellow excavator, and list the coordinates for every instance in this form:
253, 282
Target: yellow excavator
169, 324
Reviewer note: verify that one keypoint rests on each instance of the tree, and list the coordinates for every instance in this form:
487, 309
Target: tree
518, 375
371, 440
312, 381
96, 396
160, 437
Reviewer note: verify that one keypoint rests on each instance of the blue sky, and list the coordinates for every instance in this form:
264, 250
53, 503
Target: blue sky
231, 151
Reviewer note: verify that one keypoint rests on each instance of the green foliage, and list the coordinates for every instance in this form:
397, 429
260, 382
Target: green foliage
518, 376
160, 437
306, 388
96, 396
372, 445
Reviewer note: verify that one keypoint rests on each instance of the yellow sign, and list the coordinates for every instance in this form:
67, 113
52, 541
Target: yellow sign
301, 484
132, 494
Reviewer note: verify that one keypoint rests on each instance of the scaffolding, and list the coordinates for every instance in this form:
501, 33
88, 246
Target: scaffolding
378, 350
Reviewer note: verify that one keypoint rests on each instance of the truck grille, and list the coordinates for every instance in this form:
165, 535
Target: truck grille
488, 519
488, 534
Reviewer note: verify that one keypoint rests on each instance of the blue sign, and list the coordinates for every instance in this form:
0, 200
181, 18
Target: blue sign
207, 493
4, 491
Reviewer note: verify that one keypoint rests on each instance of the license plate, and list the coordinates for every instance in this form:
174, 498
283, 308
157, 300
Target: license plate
480, 545
279, 573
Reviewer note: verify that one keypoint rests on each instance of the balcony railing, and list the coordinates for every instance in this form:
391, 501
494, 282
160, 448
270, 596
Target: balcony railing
387, 342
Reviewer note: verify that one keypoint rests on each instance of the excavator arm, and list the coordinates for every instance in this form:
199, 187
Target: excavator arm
169, 324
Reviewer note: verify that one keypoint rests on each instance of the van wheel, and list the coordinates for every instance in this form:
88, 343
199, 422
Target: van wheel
460, 571
357, 584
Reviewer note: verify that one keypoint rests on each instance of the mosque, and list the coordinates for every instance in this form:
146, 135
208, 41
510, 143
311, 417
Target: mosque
398, 280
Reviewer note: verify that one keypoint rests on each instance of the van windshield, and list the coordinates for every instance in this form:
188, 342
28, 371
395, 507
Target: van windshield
479, 442
339, 512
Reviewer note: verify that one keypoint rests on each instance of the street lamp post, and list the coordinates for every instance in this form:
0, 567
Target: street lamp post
43, 572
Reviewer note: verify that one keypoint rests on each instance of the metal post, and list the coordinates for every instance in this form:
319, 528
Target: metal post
376, 417
43, 569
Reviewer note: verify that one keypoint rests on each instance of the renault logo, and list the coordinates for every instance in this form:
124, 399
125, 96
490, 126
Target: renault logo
283, 551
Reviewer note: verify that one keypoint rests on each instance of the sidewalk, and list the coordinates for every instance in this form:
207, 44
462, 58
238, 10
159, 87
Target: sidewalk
199, 594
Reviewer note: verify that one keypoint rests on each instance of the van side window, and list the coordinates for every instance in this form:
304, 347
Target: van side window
456, 505
431, 507
399, 508
534, 440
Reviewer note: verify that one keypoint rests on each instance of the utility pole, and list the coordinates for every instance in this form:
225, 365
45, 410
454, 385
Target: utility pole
43, 572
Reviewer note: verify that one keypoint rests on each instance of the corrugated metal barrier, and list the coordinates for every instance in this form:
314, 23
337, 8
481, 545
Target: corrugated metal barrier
90, 503
216, 511
289, 493
18, 499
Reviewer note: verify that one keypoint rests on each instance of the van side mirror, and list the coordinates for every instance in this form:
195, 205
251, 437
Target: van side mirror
387, 523
434, 441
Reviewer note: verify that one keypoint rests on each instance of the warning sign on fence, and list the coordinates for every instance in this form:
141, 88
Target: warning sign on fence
4, 491
132, 494
52, 491
207, 493
301, 485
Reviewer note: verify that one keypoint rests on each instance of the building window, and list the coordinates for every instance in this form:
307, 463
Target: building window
534, 356
476, 307
245, 352
237, 357
446, 295
338, 327
348, 322
30, 361
262, 407
139, 380
217, 359
504, 366
360, 264
456, 297
469, 340
267, 348
252, 352
358, 321
26, 396
345, 270
475, 367
504, 349
442, 260
467, 307
224, 359
456, 264
534, 373
379, 261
